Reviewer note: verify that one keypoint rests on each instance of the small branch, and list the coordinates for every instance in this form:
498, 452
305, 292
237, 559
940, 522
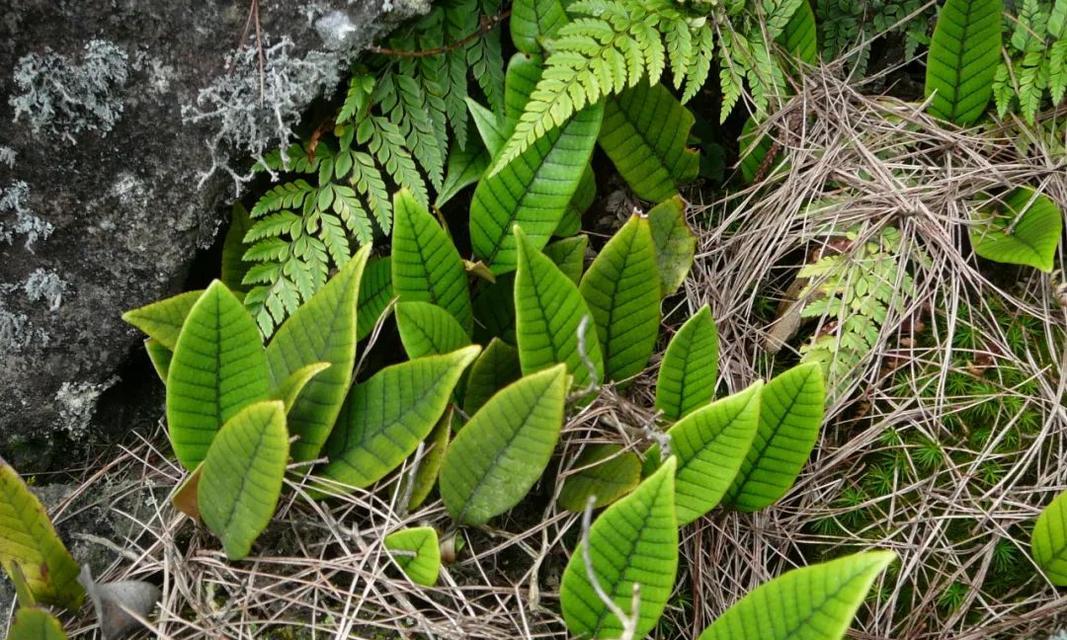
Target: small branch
488, 23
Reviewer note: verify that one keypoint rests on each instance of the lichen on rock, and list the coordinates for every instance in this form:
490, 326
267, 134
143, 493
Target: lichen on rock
64, 97
45, 285
77, 404
13, 204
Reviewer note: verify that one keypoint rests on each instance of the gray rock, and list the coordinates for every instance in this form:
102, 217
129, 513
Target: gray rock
125, 126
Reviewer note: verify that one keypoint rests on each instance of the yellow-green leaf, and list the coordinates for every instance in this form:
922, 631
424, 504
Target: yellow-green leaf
675, 243
427, 329
689, 368
417, 552
1049, 541
1027, 232
163, 320
603, 471
34, 623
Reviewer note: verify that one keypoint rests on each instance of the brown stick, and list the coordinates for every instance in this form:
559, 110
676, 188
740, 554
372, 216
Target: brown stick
488, 24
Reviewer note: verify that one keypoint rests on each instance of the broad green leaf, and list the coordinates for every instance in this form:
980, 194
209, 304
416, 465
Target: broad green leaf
964, 52
604, 471
425, 264
791, 412
427, 329
523, 73
494, 310
635, 540
622, 290
569, 255
465, 167
163, 320
531, 191
234, 268
386, 417
29, 545
241, 479
290, 389
1026, 231
1049, 541
675, 243
375, 293
430, 464
571, 222
549, 311
497, 367
535, 21
417, 552
710, 445
811, 603
645, 133
159, 356
34, 623
502, 451
689, 368
800, 34
490, 127
218, 368
322, 330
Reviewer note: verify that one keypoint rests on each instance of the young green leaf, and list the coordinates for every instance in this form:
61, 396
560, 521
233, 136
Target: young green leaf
1027, 233
425, 264
531, 191
159, 356
534, 21
675, 243
427, 329
218, 368
635, 540
814, 603
549, 312
622, 290
425, 478
644, 133
29, 545
322, 330
34, 623
375, 293
791, 412
417, 552
963, 57
1049, 541
502, 451
689, 368
710, 444
569, 255
163, 320
603, 471
234, 268
241, 479
465, 167
290, 388
386, 417
497, 367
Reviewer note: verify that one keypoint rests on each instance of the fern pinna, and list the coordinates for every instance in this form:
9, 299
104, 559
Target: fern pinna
1036, 65
392, 131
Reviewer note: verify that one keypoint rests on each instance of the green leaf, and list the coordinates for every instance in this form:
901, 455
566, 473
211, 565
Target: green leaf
569, 255
645, 133
425, 264
549, 311
604, 471
385, 418
417, 552
425, 477
1027, 233
465, 167
426, 329
675, 243
524, 72
289, 391
502, 451
375, 293
322, 330
690, 367
497, 367
622, 290
159, 356
635, 540
234, 268
535, 21
30, 546
571, 222
1049, 542
799, 36
531, 191
791, 412
754, 151
218, 368
490, 128
813, 603
494, 310
163, 320
34, 623
241, 479
963, 57
710, 445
